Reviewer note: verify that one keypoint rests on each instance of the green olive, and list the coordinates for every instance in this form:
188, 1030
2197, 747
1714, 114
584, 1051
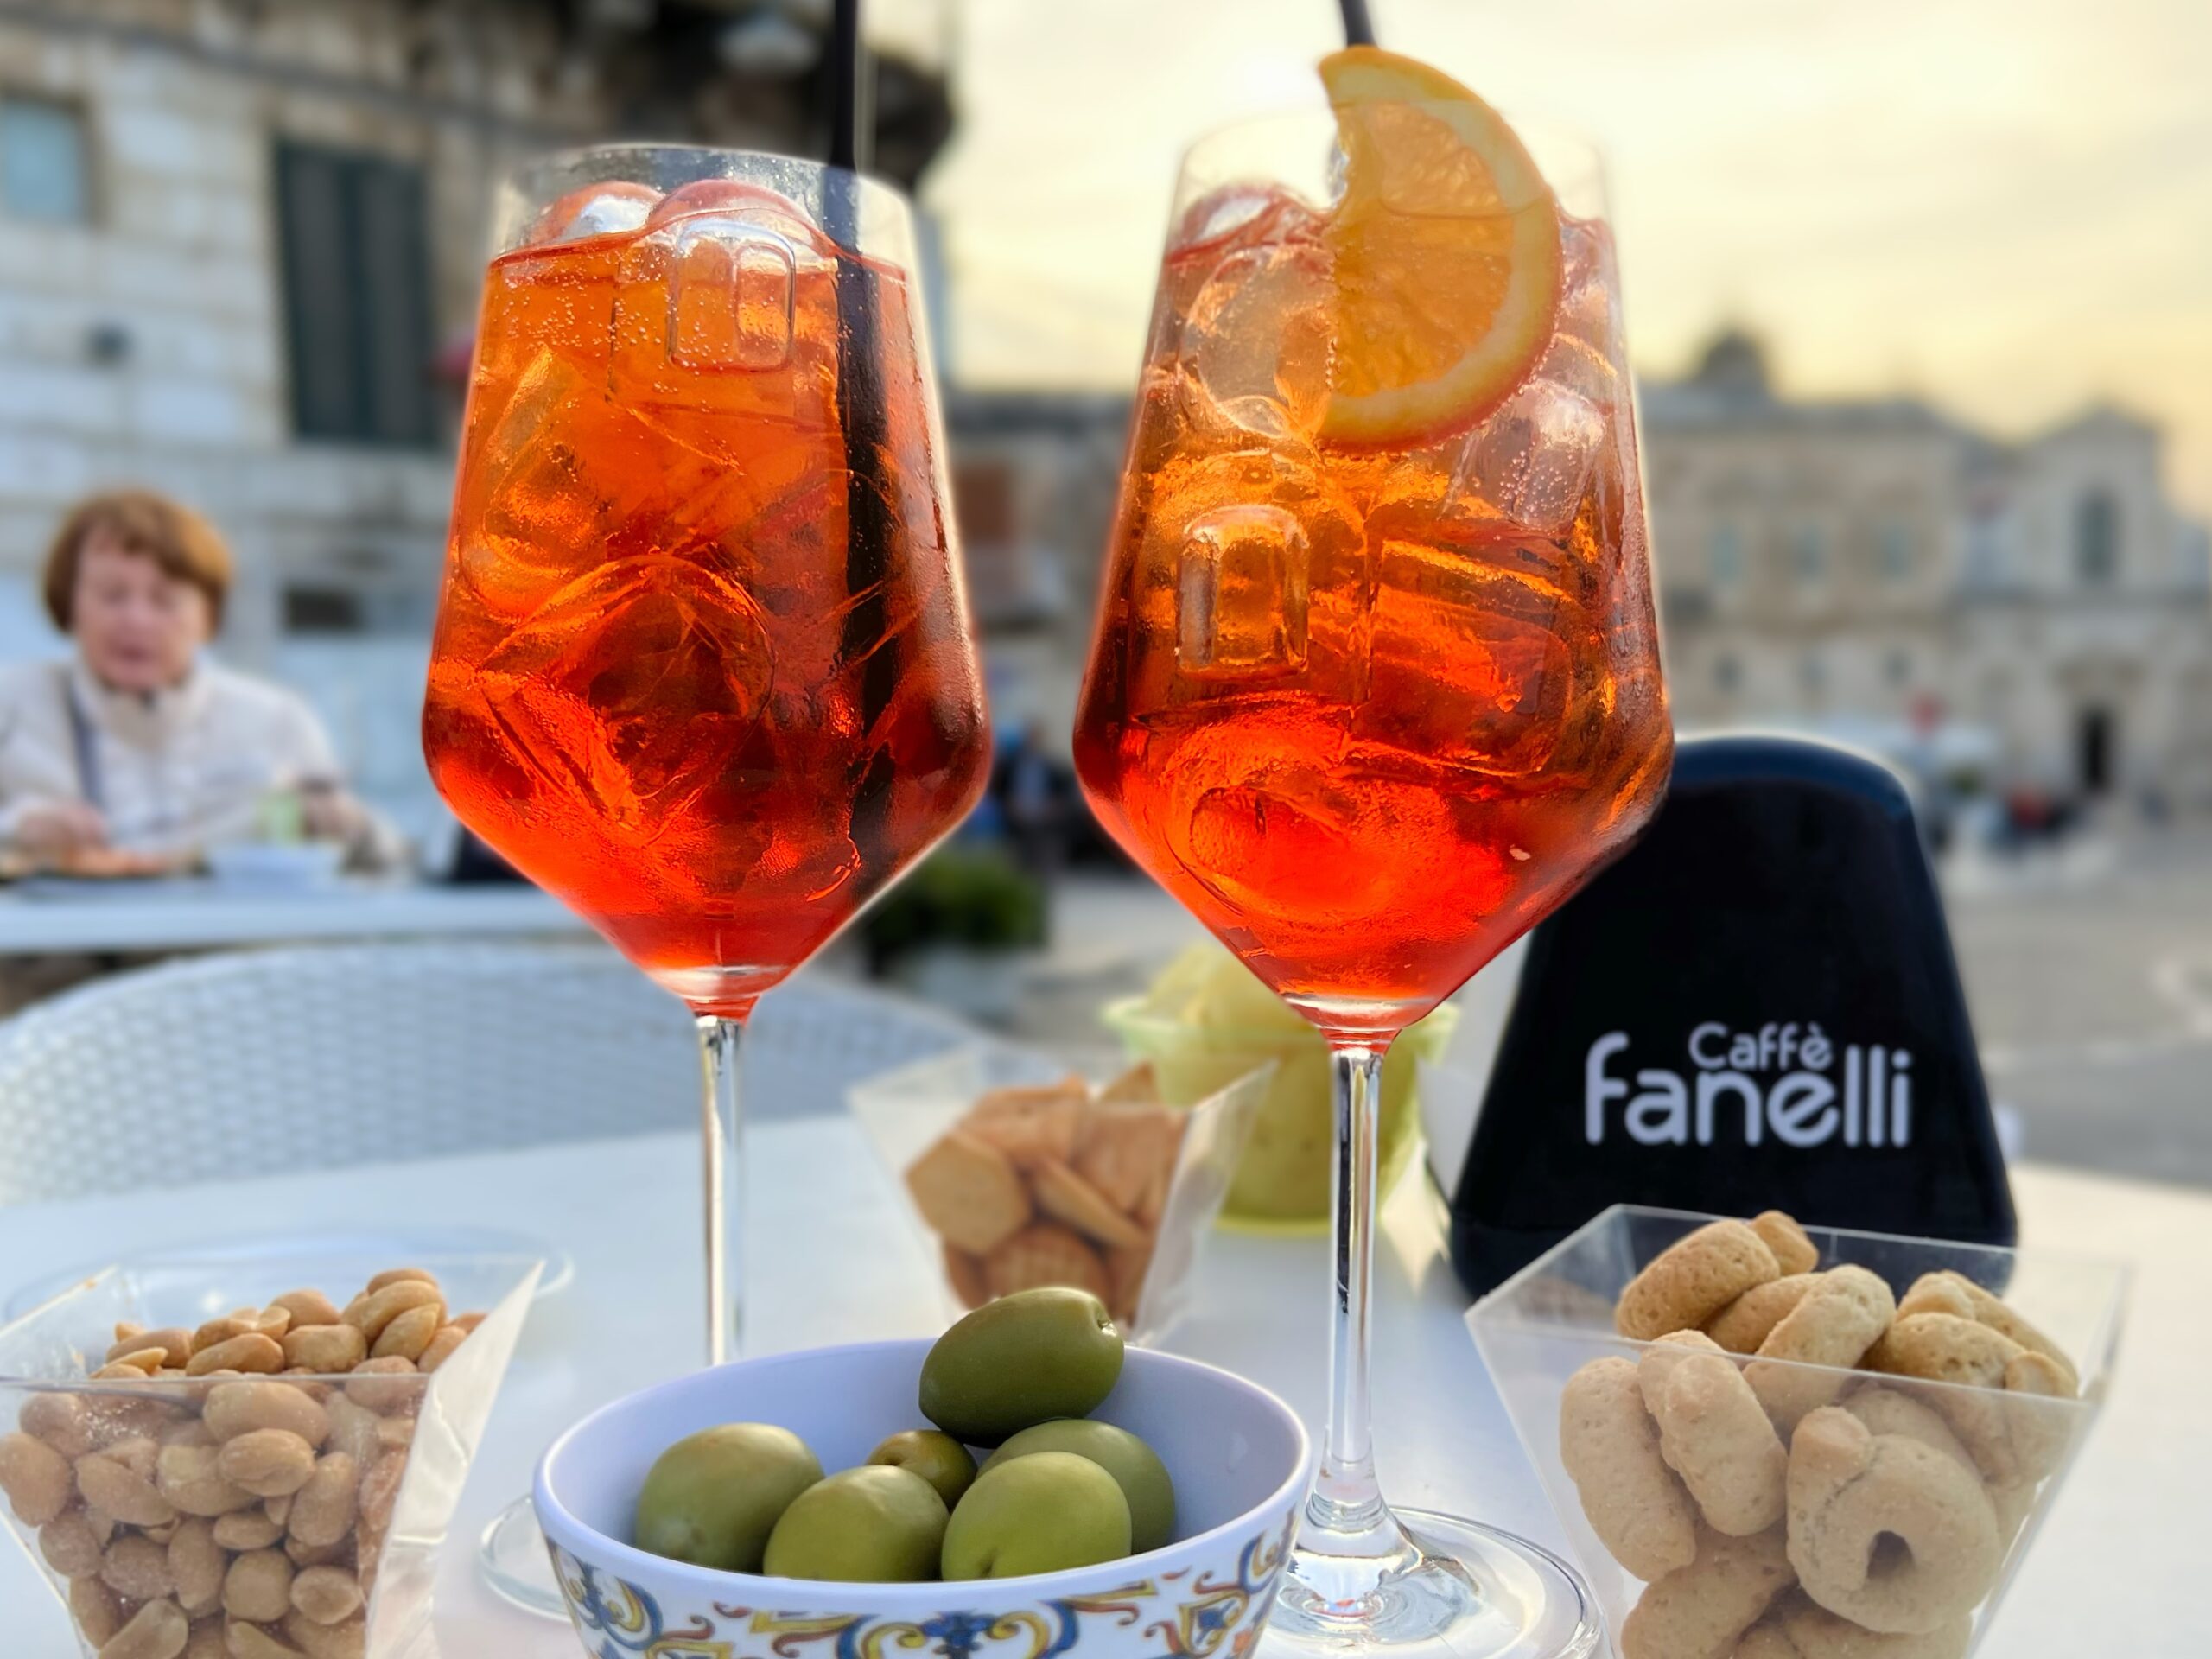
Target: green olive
712, 1497
875, 1524
1043, 1513
1136, 1468
1020, 1361
938, 1459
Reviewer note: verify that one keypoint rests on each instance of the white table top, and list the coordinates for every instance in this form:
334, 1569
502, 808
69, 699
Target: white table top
2130, 1520
199, 915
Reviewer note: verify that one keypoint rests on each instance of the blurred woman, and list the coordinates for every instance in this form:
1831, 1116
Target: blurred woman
138, 751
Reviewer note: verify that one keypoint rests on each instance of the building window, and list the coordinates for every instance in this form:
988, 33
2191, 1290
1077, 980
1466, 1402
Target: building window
1897, 667
1727, 673
1726, 554
45, 167
1896, 552
1808, 553
2096, 538
323, 610
357, 297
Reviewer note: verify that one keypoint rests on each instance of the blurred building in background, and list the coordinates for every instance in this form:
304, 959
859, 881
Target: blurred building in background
240, 247
2033, 616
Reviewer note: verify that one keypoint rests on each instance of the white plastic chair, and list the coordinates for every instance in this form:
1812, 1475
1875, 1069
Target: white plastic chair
263, 1062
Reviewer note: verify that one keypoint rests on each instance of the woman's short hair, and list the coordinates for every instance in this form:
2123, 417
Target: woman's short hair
184, 545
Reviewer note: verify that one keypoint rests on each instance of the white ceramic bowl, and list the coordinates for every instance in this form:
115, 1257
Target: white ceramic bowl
1238, 1455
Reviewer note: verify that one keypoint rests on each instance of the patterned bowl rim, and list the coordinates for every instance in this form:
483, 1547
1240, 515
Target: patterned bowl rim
611, 1554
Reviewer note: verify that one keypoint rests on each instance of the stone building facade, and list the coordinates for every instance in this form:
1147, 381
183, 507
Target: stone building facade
2037, 613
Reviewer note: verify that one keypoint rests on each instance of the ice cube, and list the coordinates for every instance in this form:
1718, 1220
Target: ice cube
566, 479
1589, 307
1250, 575
1256, 339
594, 210
1240, 595
1531, 458
633, 687
1475, 652
1572, 362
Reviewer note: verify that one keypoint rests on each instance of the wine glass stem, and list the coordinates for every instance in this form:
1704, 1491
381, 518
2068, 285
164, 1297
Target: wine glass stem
1346, 1503
720, 1121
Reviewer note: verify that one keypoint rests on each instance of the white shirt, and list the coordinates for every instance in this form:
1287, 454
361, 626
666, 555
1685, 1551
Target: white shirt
175, 771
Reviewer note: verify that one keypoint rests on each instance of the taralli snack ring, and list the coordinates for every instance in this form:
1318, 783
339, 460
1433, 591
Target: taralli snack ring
1794, 1250
1636, 1505
1744, 1324
243, 1516
1801, 1629
1954, 1292
1886, 1531
1692, 1280
1714, 1434
1701, 1610
1841, 1315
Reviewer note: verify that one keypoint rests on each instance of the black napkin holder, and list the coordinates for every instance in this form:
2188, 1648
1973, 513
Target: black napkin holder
1755, 1007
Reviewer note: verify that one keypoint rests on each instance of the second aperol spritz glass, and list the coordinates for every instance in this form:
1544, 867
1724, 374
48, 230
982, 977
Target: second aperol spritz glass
703, 667
1376, 680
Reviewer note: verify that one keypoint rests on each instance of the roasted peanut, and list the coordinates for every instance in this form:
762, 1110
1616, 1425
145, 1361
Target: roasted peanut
206, 1641
323, 1509
136, 1569
326, 1595
346, 1641
442, 1347
237, 1408
307, 1308
326, 1349
354, 1430
58, 1420
466, 1323
398, 1276
190, 1432
172, 1343
161, 1534
380, 1490
269, 1462
138, 1454
101, 1522
258, 1586
252, 1641
191, 1478
372, 1310
409, 1334
115, 1415
70, 1545
278, 1510
395, 1431
112, 1486
97, 1609
118, 1372
197, 1562
157, 1630
305, 1555
253, 1351
36, 1477
386, 1386
249, 1529
126, 1329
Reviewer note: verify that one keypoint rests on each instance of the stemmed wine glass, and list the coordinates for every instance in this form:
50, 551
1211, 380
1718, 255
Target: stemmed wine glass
1375, 684
703, 667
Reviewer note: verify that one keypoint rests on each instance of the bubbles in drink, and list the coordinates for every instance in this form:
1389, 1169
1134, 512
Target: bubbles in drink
592, 210
1256, 339
1531, 459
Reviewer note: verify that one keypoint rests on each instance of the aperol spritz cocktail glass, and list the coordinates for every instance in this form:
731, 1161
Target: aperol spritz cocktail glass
1377, 682
705, 669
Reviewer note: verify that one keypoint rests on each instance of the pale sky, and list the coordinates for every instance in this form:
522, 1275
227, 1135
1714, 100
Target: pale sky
2002, 205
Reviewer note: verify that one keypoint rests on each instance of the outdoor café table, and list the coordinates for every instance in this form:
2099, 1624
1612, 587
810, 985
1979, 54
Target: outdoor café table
194, 915
2117, 1570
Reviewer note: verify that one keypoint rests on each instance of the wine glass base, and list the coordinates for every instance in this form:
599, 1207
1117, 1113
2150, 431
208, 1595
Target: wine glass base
1463, 1591
511, 1556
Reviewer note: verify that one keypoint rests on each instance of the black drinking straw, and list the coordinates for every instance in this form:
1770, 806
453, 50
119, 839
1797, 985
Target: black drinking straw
1359, 27
870, 523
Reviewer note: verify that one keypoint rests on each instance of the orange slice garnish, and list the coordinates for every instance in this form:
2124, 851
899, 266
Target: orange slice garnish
1445, 249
